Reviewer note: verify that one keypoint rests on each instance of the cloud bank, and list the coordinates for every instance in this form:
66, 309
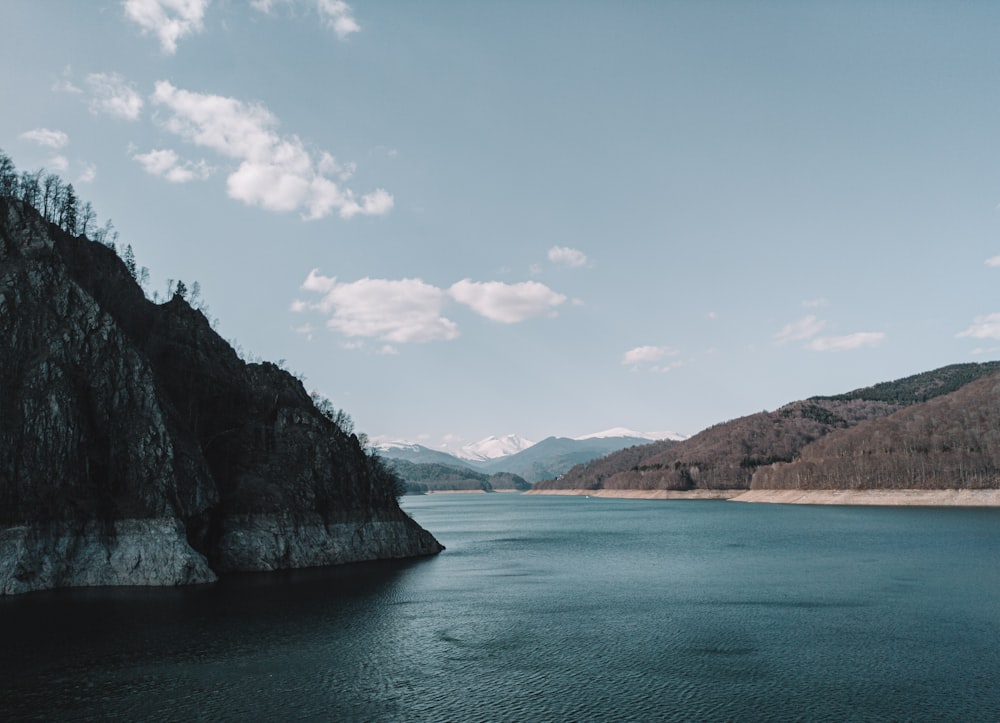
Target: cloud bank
168, 20
46, 137
335, 14
806, 329
506, 303
650, 358
983, 327
849, 342
567, 257
167, 164
411, 310
798, 330
275, 172
111, 94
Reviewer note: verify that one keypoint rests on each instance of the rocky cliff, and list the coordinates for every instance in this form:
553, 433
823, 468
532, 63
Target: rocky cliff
137, 448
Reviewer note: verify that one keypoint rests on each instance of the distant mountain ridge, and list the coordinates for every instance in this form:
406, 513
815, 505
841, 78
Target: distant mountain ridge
550, 457
946, 422
422, 478
494, 447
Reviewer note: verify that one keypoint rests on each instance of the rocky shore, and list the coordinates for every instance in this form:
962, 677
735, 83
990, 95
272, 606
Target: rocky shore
137, 448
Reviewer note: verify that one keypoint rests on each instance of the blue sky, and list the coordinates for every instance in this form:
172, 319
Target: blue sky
461, 219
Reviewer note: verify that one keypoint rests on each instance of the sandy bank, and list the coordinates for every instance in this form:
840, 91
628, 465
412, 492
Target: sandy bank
913, 498
646, 494
466, 492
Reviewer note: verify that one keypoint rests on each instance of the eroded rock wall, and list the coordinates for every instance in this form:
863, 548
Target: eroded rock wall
128, 426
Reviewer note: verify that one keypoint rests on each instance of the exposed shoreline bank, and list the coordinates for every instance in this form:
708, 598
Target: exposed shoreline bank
464, 492
646, 494
887, 498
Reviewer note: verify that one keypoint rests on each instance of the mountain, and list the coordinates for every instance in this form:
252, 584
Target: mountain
549, 458
421, 478
136, 448
494, 448
555, 455
751, 450
951, 441
419, 454
625, 433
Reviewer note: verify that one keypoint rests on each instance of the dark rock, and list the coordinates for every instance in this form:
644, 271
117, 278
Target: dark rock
137, 448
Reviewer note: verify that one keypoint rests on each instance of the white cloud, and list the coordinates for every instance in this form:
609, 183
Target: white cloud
567, 256
804, 328
88, 174
506, 303
983, 327
46, 137
275, 172
850, 342
410, 310
650, 357
58, 163
167, 164
993, 261
169, 20
398, 312
335, 14
110, 93
645, 355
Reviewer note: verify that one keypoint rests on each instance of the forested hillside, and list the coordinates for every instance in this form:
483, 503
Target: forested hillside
951, 441
727, 455
418, 478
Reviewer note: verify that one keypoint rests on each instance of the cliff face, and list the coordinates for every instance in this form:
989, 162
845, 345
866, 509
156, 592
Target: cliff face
137, 448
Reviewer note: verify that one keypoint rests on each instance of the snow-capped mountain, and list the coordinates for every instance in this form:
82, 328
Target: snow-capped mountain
532, 461
494, 447
632, 434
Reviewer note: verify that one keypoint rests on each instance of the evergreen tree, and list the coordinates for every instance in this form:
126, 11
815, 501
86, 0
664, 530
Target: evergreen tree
130, 262
69, 215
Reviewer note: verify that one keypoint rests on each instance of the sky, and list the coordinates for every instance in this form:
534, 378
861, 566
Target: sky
462, 219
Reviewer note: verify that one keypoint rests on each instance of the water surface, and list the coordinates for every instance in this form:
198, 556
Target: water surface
553, 608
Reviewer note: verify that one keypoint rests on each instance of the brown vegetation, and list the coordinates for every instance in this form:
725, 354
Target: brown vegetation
949, 440
952, 441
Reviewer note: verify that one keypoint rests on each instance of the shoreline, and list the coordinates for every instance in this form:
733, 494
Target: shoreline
463, 492
880, 498
645, 494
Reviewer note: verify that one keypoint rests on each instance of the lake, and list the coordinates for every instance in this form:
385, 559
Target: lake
553, 608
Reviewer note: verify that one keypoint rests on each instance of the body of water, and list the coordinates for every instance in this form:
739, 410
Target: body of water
552, 608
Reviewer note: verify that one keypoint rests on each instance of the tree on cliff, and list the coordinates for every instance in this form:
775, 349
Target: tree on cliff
69, 210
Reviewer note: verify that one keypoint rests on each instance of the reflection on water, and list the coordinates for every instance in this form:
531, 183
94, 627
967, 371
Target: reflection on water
552, 608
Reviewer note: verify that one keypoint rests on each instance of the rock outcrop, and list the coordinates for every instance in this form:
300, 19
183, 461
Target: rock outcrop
136, 448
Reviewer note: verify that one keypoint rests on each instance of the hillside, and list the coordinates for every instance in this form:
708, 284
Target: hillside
419, 454
555, 455
422, 478
549, 458
137, 448
727, 455
949, 442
